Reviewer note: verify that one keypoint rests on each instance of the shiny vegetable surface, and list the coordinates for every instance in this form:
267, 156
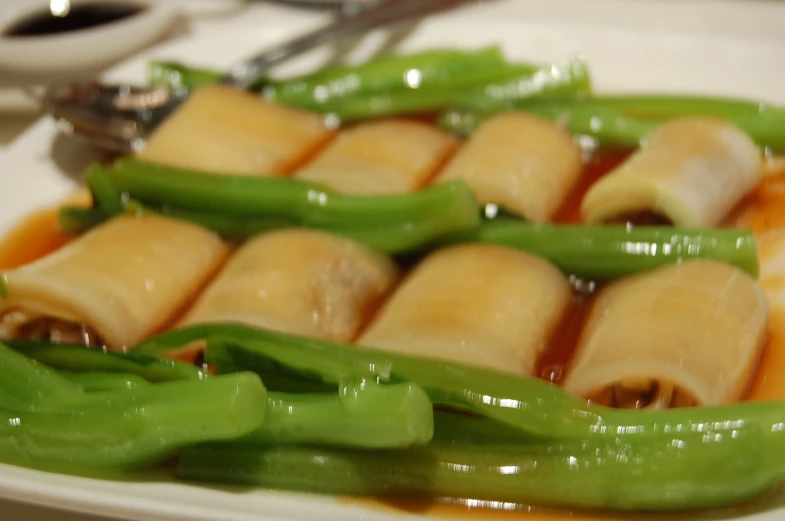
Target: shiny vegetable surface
81, 359
604, 252
510, 86
531, 443
423, 82
426, 71
100, 381
436, 68
683, 470
626, 121
534, 443
363, 414
392, 224
48, 421
604, 126
239, 207
533, 406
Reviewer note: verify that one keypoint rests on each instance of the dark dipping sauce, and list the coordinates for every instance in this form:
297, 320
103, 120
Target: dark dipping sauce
80, 16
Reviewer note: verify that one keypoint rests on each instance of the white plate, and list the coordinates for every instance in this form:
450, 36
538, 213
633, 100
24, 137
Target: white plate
715, 47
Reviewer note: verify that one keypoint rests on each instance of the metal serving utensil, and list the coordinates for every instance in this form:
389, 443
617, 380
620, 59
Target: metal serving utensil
119, 118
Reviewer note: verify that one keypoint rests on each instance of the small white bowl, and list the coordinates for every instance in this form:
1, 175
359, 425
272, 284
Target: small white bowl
84, 48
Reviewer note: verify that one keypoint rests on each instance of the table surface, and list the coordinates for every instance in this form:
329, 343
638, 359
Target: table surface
16, 114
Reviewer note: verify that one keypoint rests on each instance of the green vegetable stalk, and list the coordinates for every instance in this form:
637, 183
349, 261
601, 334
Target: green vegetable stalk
77, 358
428, 71
27, 385
764, 123
590, 252
660, 107
423, 82
550, 82
626, 121
78, 220
362, 414
48, 421
181, 77
431, 69
238, 206
606, 252
686, 470
75, 220
94, 382
516, 84
604, 126
534, 407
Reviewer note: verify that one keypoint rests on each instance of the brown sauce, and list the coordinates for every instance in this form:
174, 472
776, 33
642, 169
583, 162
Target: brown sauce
764, 209
35, 236
642, 218
72, 18
460, 509
596, 167
471, 509
554, 360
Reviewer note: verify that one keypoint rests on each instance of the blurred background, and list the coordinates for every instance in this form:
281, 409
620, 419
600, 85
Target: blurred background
24, 65
30, 60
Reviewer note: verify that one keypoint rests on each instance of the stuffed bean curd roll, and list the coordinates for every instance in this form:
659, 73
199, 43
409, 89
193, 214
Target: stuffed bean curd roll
477, 304
221, 129
692, 172
113, 286
298, 281
683, 335
520, 162
382, 157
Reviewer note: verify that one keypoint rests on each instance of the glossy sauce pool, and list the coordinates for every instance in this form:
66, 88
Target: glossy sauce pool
38, 234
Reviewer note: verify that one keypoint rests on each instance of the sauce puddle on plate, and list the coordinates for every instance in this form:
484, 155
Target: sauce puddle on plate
34, 237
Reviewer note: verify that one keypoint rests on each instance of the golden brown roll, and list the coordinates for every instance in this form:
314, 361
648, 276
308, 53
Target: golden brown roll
692, 172
298, 281
382, 157
476, 304
114, 285
521, 162
685, 334
221, 129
